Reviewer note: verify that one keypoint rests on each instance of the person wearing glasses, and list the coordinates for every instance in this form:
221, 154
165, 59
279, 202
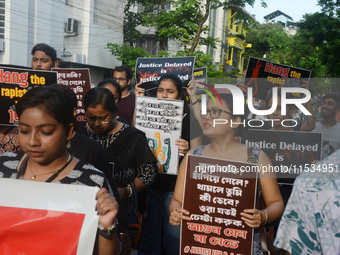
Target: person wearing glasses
123, 75
224, 146
134, 165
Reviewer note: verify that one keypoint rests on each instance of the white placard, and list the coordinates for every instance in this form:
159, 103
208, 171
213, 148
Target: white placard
161, 120
55, 197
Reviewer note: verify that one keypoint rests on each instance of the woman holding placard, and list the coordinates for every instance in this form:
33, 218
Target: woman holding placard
158, 236
224, 146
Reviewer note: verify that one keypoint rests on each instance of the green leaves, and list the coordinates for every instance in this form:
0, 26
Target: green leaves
128, 55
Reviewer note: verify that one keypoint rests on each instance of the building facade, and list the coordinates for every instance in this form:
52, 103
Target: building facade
228, 26
77, 29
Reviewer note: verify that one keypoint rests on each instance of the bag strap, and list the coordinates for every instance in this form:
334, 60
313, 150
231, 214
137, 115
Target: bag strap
262, 231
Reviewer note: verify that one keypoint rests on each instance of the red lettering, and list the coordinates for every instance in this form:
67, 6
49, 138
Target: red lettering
12, 116
14, 78
81, 118
283, 72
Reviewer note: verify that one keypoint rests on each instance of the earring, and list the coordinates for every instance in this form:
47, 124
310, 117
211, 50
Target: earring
68, 145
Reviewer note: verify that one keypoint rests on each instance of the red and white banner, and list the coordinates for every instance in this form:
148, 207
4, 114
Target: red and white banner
47, 218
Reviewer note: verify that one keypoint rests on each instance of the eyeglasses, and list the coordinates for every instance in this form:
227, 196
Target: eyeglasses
215, 113
101, 120
119, 79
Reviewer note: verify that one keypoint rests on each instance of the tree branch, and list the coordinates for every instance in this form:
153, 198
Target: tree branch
200, 25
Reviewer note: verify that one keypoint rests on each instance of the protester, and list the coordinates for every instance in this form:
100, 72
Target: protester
45, 126
223, 145
328, 126
90, 151
44, 57
311, 221
81, 146
116, 90
123, 75
126, 146
158, 236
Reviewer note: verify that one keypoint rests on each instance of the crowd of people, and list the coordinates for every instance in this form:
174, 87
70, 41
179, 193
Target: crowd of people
107, 151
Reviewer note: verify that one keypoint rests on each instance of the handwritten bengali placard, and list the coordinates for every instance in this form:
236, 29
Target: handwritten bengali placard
216, 192
161, 120
78, 79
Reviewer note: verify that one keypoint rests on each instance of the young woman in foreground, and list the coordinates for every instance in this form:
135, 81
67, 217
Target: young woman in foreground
224, 146
45, 126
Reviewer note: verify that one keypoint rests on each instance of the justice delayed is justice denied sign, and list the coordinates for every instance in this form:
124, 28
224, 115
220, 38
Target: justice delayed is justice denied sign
47, 218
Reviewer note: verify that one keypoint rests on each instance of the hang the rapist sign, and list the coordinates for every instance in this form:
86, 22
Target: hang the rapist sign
263, 75
47, 218
161, 120
14, 83
216, 192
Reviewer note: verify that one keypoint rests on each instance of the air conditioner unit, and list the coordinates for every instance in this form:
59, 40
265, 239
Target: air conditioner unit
79, 58
72, 26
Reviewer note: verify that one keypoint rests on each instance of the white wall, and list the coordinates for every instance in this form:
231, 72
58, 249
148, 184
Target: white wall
29, 22
93, 38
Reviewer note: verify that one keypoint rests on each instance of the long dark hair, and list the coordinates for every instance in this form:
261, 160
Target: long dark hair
102, 96
181, 92
113, 83
73, 98
55, 101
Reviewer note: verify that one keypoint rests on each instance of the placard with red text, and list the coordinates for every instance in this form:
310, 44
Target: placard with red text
14, 83
263, 75
78, 79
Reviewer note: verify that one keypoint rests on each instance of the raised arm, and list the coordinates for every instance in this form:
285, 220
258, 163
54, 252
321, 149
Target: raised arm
107, 207
274, 204
196, 105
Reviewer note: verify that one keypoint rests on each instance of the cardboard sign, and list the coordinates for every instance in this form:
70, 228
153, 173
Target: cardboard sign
216, 192
200, 76
78, 79
14, 83
161, 120
150, 70
263, 75
47, 218
288, 151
